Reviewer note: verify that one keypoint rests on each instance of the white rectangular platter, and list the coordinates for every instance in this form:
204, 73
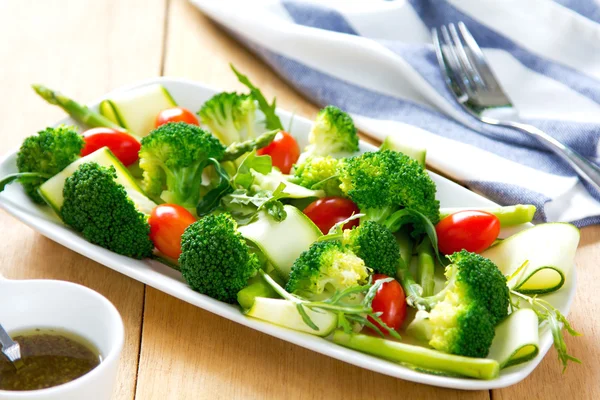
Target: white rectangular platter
191, 95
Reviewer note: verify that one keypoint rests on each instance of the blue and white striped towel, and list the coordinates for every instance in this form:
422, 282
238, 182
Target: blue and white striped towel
375, 60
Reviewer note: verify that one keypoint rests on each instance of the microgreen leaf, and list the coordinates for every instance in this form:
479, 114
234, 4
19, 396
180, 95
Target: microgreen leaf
549, 314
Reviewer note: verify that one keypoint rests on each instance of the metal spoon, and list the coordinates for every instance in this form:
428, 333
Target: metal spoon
10, 348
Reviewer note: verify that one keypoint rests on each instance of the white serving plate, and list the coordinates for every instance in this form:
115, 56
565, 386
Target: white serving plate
191, 95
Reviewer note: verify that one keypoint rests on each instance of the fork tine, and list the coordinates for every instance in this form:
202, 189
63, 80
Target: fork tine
453, 64
478, 57
446, 72
469, 68
440, 56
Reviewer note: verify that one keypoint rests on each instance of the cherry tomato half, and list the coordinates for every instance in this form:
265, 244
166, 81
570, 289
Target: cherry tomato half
284, 151
167, 223
124, 146
175, 114
328, 211
391, 302
473, 231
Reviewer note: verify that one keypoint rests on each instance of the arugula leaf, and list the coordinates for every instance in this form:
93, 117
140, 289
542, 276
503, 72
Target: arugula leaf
244, 207
272, 121
211, 200
409, 216
261, 164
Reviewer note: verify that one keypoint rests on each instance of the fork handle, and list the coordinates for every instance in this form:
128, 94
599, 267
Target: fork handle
583, 167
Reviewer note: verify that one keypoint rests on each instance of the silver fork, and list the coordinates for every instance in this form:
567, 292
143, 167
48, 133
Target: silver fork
478, 91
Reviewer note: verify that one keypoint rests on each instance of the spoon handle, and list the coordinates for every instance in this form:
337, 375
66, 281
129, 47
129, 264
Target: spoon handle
10, 348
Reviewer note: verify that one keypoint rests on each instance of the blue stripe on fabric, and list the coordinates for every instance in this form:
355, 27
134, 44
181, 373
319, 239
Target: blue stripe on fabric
318, 17
435, 13
587, 8
326, 89
579, 136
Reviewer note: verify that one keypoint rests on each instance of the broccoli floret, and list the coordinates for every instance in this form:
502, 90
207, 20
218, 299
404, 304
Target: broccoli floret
376, 245
333, 132
98, 207
230, 116
325, 268
463, 315
319, 173
385, 181
215, 259
173, 157
48, 152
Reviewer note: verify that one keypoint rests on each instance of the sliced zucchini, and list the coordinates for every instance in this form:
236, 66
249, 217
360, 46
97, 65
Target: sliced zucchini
284, 313
136, 110
52, 189
392, 142
549, 250
282, 242
517, 339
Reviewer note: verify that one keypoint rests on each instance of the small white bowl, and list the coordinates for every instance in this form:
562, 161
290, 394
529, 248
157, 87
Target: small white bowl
75, 308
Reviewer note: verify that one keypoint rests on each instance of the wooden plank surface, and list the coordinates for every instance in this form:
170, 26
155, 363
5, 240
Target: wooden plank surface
86, 48
83, 48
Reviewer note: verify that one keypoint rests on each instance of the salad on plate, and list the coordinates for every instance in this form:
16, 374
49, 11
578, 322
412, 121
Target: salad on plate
327, 240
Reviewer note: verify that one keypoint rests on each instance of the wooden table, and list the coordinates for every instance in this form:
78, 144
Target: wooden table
174, 350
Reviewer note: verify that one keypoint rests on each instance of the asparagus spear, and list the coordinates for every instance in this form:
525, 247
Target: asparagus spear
420, 357
78, 112
426, 267
237, 149
508, 216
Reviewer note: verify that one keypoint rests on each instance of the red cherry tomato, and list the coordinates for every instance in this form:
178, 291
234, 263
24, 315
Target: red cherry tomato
124, 146
167, 223
328, 211
284, 151
391, 302
175, 114
473, 231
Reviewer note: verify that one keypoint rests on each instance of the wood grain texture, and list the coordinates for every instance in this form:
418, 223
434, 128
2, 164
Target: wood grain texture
83, 48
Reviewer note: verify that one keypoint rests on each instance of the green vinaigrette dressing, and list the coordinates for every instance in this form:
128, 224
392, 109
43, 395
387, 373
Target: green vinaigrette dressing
51, 357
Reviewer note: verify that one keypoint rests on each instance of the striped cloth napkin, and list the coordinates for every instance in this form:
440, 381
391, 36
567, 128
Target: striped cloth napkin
375, 60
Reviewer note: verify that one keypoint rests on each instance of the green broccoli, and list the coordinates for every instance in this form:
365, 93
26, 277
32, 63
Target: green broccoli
462, 317
215, 259
376, 245
47, 153
230, 116
98, 207
173, 157
383, 182
319, 173
333, 132
323, 269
